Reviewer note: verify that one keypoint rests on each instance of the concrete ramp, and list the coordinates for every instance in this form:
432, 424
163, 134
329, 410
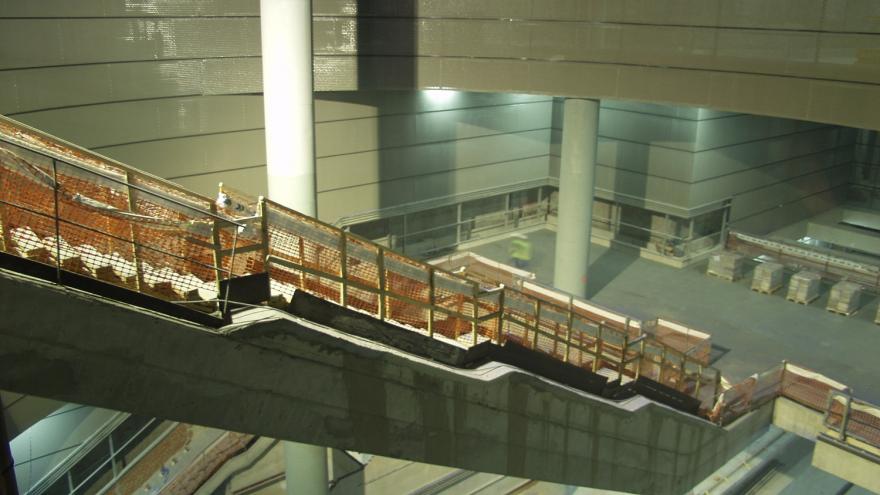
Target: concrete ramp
283, 378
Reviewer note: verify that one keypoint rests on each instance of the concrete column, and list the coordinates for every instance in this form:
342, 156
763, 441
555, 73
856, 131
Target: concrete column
580, 127
305, 467
288, 100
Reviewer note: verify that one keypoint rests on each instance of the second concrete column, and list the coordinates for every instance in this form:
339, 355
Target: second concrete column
580, 127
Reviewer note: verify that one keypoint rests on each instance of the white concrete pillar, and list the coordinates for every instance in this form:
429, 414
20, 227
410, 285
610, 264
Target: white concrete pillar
305, 469
288, 100
580, 127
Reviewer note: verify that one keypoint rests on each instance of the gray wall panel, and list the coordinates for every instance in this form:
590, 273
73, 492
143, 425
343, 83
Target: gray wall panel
28, 90
738, 185
149, 8
717, 133
136, 121
49, 42
251, 180
338, 203
741, 157
172, 158
790, 191
670, 132
340, 171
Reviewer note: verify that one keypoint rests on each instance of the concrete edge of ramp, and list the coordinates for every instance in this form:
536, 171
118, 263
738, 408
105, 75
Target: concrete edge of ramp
284, 382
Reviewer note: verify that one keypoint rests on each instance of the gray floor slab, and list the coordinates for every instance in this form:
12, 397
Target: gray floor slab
750, 331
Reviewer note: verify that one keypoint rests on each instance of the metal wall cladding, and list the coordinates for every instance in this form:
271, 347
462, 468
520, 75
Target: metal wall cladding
51, 42
45, 88
808, 60
129, 8
835, 15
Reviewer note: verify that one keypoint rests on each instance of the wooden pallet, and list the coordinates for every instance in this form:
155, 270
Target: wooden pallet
842, 313
722, 277
801, 302
768, 292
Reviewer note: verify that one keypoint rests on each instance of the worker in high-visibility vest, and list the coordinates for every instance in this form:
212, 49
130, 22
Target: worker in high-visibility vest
520, 251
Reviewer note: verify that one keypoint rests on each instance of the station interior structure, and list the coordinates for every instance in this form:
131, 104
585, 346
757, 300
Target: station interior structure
697, 182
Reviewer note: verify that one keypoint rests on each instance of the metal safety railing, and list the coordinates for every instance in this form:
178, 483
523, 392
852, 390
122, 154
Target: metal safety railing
302, 253
82, 213
853, 421
88, 215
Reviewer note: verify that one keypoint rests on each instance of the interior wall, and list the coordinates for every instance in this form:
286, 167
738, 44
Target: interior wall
380, 150
683, 161
777, 171
865, 180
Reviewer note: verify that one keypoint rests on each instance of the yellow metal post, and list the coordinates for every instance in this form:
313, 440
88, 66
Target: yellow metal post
135, 249
500, 325
431, 302
380, 263
343, 268
475, 312
537, 323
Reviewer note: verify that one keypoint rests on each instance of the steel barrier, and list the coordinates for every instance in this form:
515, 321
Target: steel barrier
79, 212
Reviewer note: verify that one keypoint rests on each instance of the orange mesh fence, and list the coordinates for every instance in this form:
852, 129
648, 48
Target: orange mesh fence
754, 391
116, 225
584, 342
696, 345
553, 326
519, 318
807, 387
864, 422
454, 298
862, 419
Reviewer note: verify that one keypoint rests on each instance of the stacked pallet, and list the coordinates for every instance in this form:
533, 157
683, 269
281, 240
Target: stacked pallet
767, 278
726, 265
845, 298
803, 288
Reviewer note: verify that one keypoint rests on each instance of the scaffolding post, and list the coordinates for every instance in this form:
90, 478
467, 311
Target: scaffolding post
343, 268
135, 249
475, 311
568, 326
217, 254
500, 326
537, 324
844, 421
380, 264
431, 302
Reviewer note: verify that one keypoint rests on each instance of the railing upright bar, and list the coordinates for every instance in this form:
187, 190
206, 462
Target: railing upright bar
217, 254
475, 311
57, 219
622, 364
699, 380
844, 421
500, 325
135, 250
343, 268
537, 326
640, 358
432, 299
568, 325
380, 263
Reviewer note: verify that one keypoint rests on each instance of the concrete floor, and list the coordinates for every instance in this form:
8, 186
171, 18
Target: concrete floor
750, 331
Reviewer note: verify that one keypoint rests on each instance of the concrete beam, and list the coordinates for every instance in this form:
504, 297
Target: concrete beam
847, 463
295, 380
